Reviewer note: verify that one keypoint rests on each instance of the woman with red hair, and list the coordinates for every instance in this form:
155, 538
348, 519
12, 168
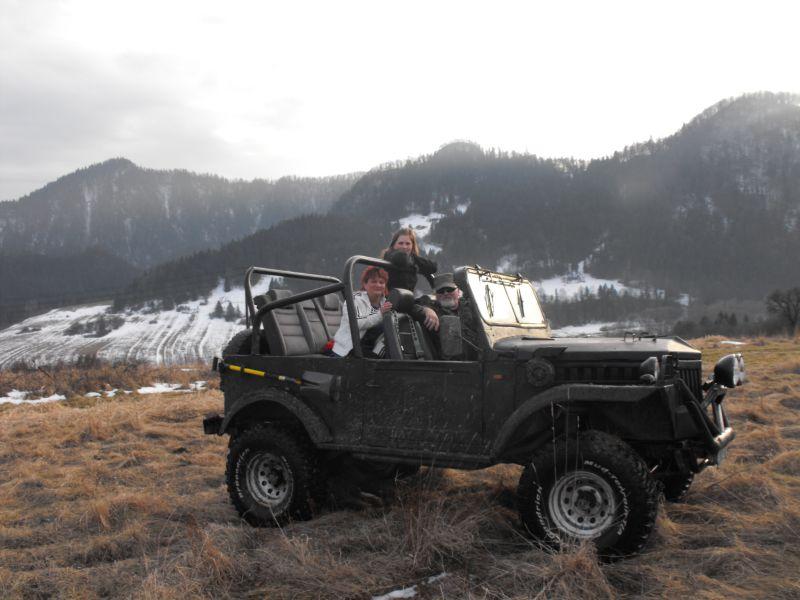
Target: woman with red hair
370, 304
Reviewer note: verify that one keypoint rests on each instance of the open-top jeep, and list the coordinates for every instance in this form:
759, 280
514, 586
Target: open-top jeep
601, 426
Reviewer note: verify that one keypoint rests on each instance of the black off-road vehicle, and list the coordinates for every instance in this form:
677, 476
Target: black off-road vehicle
601, 426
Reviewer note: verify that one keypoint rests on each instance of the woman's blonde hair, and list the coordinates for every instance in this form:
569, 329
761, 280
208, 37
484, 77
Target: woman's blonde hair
403, 231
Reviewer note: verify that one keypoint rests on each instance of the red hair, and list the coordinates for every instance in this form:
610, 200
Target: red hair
371, 273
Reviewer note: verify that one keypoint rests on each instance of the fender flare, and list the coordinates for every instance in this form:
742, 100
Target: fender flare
316, 428
564, 395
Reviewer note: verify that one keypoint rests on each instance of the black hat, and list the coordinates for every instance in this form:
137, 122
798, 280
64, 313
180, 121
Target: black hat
443, 280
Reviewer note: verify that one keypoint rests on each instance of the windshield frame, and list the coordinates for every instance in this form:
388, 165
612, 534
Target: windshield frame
485, 287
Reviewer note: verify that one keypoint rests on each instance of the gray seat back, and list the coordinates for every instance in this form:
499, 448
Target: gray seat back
313, 327
331, 306
284, 330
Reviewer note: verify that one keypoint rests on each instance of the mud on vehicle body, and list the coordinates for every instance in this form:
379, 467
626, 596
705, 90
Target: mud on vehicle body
601, 426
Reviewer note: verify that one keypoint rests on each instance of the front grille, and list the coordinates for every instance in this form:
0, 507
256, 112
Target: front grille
691, 377
606, 373
625, 373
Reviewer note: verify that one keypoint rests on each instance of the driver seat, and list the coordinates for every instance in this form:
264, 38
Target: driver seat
405, 339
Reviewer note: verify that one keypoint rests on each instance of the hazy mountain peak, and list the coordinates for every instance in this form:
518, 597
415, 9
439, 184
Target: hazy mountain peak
458, 150
749, 109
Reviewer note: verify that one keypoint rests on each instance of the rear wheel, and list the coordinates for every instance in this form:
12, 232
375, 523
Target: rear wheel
272, 475
592, 487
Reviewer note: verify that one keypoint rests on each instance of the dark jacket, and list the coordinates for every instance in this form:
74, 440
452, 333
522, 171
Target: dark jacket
405, 269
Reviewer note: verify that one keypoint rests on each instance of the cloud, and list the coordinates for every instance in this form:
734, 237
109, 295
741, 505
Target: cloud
257, 89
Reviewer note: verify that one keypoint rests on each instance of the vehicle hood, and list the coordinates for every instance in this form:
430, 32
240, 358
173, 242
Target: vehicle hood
586, 348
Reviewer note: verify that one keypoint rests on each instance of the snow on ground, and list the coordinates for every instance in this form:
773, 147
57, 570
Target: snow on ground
160, 388
18, 397
586, 329
411, 591
733, 343
185, 334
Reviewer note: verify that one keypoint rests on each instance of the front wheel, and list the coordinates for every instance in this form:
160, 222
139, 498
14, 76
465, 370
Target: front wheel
592, 487
676, 485
272, 475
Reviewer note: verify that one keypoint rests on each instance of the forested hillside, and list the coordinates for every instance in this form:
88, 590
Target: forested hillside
146, 217
31, 283
712, 211
137, 218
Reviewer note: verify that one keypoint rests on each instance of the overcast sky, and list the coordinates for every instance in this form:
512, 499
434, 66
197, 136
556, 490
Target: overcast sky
265, 89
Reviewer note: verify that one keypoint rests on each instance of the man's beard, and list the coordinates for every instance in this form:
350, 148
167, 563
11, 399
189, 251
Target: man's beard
449, 302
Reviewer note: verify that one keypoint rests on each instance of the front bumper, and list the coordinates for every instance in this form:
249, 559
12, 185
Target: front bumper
715, 429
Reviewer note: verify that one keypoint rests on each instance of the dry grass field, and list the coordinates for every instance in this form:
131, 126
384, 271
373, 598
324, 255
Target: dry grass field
124, 497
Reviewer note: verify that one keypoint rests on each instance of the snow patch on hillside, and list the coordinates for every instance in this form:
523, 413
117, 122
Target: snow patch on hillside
421, 224
570, 284
507, 264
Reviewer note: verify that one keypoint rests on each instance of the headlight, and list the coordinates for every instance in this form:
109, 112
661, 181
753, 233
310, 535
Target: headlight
648, 370
729, 370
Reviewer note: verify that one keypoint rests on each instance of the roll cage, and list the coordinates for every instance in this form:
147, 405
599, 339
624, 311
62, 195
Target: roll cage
254, 315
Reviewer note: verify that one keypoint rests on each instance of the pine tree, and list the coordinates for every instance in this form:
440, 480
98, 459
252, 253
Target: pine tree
217, 313
230, 313
100, 325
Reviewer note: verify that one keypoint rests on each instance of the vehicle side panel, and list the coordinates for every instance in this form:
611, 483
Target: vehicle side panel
429, 406
323, 388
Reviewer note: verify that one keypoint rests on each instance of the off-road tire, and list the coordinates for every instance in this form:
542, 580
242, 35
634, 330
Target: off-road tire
272, 475
614, 497
238, 344
676, 485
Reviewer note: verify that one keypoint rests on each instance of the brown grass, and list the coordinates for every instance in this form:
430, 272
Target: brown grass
75, 381
125, 497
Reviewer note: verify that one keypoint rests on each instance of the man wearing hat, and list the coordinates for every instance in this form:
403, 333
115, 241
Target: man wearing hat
450, 301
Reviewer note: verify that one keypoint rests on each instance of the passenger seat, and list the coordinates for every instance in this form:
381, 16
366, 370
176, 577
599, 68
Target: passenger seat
284, 330
313, 327
331, 306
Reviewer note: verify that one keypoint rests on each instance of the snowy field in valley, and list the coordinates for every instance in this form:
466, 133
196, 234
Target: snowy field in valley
186, 334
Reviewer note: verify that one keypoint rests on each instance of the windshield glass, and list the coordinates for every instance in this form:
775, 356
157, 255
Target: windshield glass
505, 301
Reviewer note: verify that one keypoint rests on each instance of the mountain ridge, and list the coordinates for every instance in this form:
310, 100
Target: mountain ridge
712, 210
148, 216
715, 216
